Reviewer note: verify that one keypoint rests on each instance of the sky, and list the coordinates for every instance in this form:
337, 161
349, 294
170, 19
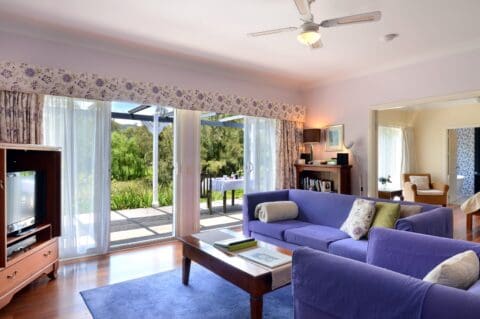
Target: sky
123, 107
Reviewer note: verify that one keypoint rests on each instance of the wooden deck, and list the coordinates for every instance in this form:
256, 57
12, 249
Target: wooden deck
145, 224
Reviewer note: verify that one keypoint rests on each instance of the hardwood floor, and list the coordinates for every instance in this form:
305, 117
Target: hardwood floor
459, 226
60, 298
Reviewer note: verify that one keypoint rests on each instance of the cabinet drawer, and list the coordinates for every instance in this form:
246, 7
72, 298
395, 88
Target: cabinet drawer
17, 273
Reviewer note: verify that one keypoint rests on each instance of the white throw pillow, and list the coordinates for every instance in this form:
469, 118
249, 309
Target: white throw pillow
359, 219
459, 271
422, 182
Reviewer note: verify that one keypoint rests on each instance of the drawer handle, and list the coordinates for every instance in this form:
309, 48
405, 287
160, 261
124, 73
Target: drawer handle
47, 254
1, 184
13, 275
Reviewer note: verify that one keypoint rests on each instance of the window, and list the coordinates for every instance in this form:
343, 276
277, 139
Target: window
390, 143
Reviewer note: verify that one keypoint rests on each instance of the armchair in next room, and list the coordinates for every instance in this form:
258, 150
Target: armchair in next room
418, 187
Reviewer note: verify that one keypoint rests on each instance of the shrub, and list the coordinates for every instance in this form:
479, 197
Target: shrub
137, 194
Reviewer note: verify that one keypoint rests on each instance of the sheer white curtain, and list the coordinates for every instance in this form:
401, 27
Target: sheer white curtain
82, 129
390, 145
259, 154
408, 150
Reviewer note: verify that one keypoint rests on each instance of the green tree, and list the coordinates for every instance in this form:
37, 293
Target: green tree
132, 156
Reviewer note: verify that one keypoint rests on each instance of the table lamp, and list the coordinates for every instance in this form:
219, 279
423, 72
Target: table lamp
312, 136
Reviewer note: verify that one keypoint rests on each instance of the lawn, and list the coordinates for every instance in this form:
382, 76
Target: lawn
138, 193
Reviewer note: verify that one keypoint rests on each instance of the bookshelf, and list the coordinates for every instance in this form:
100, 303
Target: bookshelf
339, 175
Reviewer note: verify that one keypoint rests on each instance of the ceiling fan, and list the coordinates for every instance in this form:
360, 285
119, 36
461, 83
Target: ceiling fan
309, 34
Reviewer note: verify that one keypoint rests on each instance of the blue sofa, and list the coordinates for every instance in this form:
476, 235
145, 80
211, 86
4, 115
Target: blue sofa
320, 217
387, 286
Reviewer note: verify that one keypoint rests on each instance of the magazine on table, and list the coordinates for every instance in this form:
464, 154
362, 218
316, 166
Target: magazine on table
233, 241
266, 257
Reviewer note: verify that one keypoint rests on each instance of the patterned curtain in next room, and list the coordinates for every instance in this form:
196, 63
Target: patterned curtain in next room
20, 117
289, 141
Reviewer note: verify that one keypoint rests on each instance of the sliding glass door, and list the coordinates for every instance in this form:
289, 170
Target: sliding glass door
141, 173
221, 177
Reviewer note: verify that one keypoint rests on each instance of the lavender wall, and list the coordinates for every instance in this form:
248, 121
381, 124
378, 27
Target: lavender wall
348, 102
138, 65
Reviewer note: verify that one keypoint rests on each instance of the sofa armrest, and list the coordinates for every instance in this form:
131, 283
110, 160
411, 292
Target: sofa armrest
441, 187
250, 201
411, 253
344, 288
447, 302
436, 222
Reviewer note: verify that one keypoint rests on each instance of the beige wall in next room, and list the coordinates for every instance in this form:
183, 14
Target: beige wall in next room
431, 126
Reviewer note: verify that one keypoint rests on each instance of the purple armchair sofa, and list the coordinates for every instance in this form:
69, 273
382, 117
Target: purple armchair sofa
387, 286
320, 217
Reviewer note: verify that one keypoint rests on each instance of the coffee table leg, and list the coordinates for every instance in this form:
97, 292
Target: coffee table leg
256, 307
186, 262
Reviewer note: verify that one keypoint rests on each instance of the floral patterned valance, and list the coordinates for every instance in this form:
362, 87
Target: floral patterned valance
28, 78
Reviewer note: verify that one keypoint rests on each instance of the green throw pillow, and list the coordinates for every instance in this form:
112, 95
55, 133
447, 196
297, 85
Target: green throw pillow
386, 214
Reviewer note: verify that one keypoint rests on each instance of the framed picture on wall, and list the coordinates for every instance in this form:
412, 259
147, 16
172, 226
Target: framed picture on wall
334, 138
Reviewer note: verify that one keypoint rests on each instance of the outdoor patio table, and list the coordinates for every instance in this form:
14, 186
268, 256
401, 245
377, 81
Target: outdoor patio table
221, 184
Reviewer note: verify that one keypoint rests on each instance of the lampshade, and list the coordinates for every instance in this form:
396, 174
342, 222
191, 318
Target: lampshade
308, 37
312, 135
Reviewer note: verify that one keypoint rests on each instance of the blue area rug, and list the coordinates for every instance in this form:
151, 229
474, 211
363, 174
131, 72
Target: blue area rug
163, 296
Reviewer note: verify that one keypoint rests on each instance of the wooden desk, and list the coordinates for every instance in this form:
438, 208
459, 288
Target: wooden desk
340, 174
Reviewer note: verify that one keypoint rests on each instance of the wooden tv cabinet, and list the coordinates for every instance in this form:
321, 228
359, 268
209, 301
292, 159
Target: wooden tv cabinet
41, 258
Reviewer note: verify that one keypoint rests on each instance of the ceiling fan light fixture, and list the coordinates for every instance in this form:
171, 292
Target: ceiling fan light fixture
308, 37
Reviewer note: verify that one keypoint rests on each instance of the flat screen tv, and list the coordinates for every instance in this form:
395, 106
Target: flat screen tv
21, 201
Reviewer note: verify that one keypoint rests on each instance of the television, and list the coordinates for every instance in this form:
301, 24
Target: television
21, 201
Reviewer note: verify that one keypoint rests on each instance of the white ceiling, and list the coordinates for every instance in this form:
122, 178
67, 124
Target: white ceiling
215, 30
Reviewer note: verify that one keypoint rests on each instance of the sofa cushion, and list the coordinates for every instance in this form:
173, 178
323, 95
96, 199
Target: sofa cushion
422, 182
359, 219
328, 209
409, 210
350, 248
275, 229
386, 214
459, 271
430, 192
314, 236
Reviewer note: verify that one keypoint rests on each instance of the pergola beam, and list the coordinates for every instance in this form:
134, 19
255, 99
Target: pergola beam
138, 109
231, 118
149, 118
139, 117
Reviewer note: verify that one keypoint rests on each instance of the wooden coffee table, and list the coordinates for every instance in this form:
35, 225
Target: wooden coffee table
252, 278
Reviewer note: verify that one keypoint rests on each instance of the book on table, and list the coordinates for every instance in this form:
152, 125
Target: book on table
236, 243
266, 257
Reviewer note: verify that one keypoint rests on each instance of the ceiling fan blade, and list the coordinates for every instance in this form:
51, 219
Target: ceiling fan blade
353, 19
303, 6
269, 32
317, 45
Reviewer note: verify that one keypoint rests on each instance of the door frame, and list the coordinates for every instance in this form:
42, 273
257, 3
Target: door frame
372, 150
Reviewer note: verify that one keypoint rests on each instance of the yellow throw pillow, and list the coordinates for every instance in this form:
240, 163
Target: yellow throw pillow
386, 214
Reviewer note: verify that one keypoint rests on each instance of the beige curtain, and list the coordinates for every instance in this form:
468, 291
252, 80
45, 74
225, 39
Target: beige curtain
289, 142
21, 117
